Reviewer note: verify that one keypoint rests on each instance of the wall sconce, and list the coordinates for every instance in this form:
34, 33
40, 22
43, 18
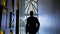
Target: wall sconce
4, 2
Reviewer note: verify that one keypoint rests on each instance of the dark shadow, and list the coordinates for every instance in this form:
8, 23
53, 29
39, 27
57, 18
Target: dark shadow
32, 25
1, 8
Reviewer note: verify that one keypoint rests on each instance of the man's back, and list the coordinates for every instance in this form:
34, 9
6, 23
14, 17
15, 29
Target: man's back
32, 25
32, 21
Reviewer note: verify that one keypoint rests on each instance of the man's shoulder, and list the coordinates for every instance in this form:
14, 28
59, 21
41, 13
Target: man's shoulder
35, 17
28, 17
32, 18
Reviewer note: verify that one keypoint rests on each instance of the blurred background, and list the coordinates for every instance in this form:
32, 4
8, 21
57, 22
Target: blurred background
13, 15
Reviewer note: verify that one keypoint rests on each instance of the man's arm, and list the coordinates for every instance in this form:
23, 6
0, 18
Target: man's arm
38, 25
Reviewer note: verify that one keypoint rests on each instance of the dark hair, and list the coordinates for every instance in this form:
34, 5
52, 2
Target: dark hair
31, 13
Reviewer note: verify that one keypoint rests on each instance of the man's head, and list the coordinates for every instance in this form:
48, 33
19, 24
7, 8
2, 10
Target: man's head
31, 13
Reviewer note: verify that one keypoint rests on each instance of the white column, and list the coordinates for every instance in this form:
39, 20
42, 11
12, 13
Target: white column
21, 15
3, 23
7, 30
22, 7
15, 8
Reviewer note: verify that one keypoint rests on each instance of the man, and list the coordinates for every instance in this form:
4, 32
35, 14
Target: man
32, 25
